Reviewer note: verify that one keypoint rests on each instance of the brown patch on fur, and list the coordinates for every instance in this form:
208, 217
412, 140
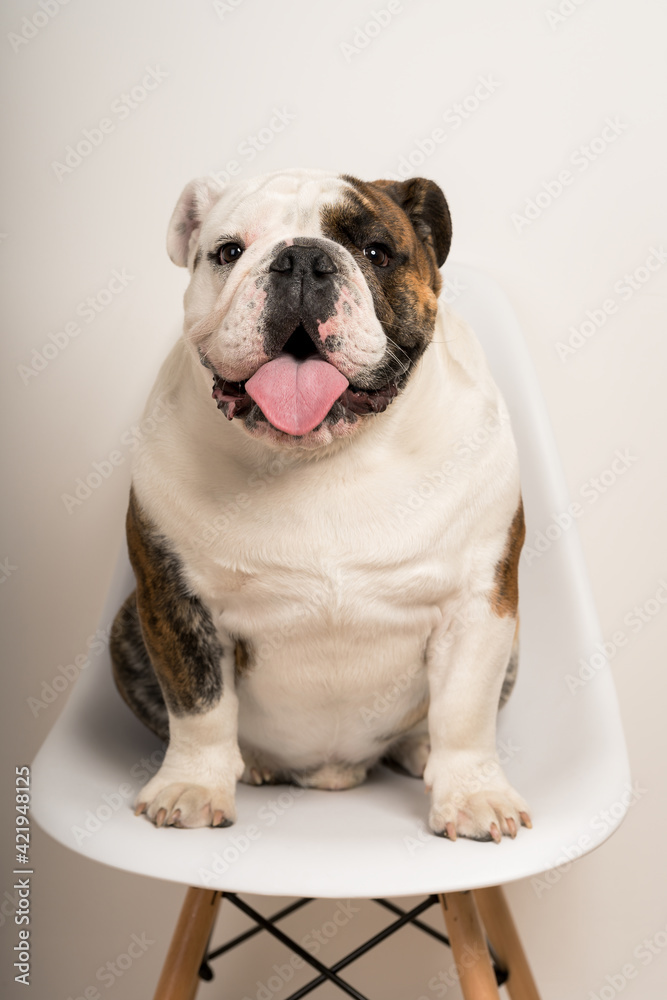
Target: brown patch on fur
133, 672
241, 658
177, 628
426, 207
388, 207
505, 596
512, 668
412, 220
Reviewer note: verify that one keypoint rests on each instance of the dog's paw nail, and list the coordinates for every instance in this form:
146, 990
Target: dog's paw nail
160, 817
256, 776
218, 818
450, 831
175, 818
495, 833
511, 825
526, 820
140, 808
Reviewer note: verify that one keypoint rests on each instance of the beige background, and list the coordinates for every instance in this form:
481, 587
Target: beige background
555, 81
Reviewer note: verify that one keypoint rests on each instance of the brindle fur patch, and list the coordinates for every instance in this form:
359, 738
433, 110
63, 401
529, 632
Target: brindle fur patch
133, 671
426, 207
512, 669
241, 658
405, 291
505, 596
177, 628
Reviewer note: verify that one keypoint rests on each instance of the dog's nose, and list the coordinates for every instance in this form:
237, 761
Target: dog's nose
303, 262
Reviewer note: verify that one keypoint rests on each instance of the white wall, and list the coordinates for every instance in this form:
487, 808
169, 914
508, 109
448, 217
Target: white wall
551, 87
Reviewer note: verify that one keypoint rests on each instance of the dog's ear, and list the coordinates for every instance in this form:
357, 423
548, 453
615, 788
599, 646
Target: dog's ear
198, 197
426, 207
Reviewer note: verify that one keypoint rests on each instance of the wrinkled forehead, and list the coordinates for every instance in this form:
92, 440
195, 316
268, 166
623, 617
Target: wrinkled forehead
288, 203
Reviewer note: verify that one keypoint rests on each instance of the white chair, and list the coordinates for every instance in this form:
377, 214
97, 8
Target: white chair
563, 750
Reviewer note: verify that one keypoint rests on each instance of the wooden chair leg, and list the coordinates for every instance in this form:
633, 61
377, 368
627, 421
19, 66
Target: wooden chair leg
473, 963
505, 941
179, 980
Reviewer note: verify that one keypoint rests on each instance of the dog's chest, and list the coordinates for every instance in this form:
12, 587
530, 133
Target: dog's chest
320, 559
279, 576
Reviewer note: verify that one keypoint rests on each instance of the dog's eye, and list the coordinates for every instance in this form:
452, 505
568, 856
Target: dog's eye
377, 254
229, 253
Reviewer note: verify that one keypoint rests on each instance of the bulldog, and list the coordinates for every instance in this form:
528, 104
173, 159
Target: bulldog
297, 616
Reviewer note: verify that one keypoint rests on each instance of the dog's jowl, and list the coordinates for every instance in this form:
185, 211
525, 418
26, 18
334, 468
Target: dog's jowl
296, 618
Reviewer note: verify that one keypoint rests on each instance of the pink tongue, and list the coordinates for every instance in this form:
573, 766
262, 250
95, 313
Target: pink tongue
295, 396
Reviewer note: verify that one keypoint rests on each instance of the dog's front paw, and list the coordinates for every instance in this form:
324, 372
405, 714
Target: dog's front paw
474, 799
185, 805
173, 799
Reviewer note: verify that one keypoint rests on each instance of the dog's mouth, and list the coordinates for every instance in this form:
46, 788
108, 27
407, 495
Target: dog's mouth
298, 391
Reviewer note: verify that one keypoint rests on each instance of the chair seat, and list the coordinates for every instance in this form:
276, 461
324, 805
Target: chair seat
564, 750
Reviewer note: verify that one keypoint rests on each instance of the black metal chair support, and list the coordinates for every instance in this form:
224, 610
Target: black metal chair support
329, 973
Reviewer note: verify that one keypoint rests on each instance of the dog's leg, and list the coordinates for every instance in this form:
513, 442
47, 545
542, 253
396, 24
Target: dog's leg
471, 796
411, 751
196, 783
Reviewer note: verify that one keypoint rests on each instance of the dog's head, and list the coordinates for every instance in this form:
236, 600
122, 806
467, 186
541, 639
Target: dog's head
312, 295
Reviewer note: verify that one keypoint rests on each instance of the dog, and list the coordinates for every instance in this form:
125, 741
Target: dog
298, 617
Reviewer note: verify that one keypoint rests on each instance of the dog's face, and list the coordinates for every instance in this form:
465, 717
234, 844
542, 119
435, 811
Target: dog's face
312, 295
